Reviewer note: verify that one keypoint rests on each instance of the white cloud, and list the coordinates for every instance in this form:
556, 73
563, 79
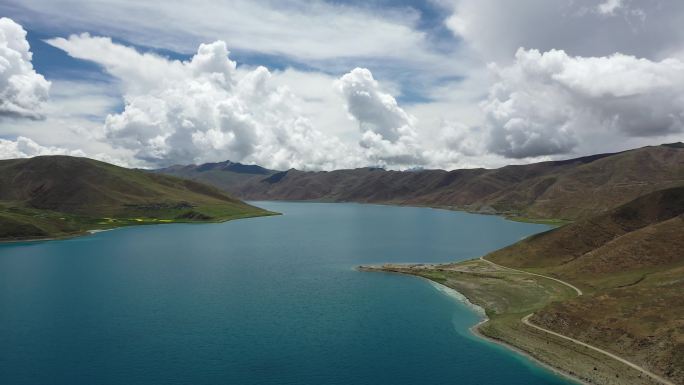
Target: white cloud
205, 109
74, 118
303, 29
461, 139
548, 104
320, 101
375, 110
608, 7
496, 29
139, 72
22, 90
24, 147
388, 133
208, 109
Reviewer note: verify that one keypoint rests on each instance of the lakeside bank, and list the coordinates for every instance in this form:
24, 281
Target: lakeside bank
507, 296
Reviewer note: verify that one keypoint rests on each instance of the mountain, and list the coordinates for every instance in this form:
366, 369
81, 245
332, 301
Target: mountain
223, 175
568, 189
51, 196
630, 264
573, 242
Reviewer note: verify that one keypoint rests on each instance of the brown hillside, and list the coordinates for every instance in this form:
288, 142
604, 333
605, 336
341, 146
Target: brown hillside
570, 189
630, 264
563, 245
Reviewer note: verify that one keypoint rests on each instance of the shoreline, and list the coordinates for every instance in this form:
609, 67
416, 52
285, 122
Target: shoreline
88, 232
475, 329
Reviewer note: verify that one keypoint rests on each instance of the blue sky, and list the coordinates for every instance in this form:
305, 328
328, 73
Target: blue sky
56, 64
430, 19
331, 84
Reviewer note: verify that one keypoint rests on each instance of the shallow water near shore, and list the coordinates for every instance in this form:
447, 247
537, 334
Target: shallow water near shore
272, 300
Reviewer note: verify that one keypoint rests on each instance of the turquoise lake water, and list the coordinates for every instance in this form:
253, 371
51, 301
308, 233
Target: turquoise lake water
272, 300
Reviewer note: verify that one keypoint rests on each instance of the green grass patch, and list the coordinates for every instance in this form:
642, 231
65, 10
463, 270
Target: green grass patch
541, 221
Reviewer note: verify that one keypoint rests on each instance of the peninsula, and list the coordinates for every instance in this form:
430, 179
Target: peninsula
598, 299
60, 196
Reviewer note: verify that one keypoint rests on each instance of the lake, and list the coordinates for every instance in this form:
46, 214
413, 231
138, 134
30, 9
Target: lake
272, 300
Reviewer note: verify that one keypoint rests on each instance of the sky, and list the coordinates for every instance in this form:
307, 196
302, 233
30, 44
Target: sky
322, 85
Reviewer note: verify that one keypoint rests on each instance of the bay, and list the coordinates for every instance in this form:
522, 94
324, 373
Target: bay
272, 300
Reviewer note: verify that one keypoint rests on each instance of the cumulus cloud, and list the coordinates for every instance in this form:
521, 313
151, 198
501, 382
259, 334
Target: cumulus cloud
461, 139
388, 132
24, 147
547, 103
206, 109
22, 90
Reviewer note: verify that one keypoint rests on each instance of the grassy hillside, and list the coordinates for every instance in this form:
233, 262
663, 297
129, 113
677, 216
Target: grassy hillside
629, 262
563, 246
570, 189
56, 196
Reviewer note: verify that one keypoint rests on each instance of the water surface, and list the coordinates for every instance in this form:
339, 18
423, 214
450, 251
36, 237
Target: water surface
270, 300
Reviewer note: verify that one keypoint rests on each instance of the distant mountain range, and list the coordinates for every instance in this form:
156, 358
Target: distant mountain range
223, 175
54, 196
568, 189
